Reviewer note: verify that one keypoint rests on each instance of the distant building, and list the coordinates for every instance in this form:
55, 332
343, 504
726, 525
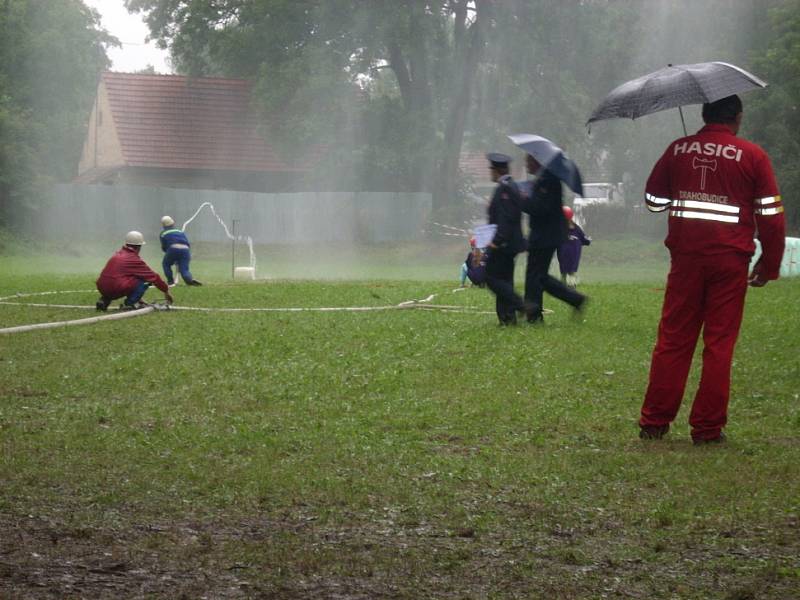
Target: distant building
475, 167
175, 131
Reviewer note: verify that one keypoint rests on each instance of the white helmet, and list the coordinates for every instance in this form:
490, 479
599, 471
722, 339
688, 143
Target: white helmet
167, 221
134, 238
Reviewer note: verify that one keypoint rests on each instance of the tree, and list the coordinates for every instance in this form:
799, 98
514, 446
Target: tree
307, 56
397, 87
773, 118
52, 53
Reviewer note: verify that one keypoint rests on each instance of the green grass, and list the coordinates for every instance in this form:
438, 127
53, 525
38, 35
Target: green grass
617, 260
398, 453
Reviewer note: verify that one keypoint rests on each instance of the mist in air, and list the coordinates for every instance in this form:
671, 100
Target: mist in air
352, 125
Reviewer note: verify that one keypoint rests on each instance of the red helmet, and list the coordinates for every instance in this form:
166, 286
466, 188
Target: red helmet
568, 212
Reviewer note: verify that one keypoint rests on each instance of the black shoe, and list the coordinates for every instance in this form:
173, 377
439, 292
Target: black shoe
533, 313
138, 306
720, 439
194, 282
102, 304
580, 308
652, 432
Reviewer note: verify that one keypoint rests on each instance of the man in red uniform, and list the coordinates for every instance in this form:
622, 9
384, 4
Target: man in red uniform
720, 191
125, 274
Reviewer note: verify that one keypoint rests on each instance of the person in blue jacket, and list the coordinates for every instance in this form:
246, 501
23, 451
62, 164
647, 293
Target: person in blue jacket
175, 245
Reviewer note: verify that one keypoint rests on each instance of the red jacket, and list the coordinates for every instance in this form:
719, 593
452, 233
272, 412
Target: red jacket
719, 190
122, 274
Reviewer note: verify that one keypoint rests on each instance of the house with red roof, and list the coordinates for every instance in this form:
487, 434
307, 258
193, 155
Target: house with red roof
198, 133
176, 131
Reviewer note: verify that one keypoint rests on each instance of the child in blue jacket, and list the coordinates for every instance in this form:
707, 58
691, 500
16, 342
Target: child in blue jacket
175, 245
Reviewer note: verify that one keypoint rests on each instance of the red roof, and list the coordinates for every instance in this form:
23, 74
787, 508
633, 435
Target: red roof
474, 164
172, 121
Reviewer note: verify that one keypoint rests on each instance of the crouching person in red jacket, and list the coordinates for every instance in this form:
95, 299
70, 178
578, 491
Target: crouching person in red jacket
127, 275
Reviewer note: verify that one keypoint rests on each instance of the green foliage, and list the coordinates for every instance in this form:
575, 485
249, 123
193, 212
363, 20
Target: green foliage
773, 119
52, 55
394, 87
316, 68
435, 74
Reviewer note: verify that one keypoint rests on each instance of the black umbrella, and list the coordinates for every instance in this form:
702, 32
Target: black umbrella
675, 86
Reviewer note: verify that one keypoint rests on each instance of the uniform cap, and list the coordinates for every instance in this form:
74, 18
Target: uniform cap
568, 212
134, 238
498, 160
167, 221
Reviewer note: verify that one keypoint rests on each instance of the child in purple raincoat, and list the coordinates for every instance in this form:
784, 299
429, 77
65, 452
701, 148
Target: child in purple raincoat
569, 253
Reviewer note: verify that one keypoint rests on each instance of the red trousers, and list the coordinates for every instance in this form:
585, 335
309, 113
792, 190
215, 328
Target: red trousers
702, 292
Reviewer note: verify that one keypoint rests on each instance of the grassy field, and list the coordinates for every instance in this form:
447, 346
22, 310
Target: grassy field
393, 453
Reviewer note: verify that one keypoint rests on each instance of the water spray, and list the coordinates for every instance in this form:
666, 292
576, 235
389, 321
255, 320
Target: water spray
236, 272
233, 249
450, 227
451, 230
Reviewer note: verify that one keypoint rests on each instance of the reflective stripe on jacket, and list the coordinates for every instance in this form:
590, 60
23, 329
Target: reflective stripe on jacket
172, 236
718, 189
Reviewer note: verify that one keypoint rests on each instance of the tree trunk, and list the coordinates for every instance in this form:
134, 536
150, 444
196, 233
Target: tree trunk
447, 186
418, 66
400, 69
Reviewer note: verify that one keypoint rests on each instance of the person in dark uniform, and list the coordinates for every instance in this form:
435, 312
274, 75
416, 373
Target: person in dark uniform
505, 212
548, 230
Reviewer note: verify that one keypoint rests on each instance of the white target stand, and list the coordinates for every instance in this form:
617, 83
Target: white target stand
244, 273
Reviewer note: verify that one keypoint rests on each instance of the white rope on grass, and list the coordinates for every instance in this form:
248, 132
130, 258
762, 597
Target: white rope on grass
428, 299
450, 307
402, 306
6, 300
262, 309
408, 304
289, 309
50, 293
43, 305
113, 317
